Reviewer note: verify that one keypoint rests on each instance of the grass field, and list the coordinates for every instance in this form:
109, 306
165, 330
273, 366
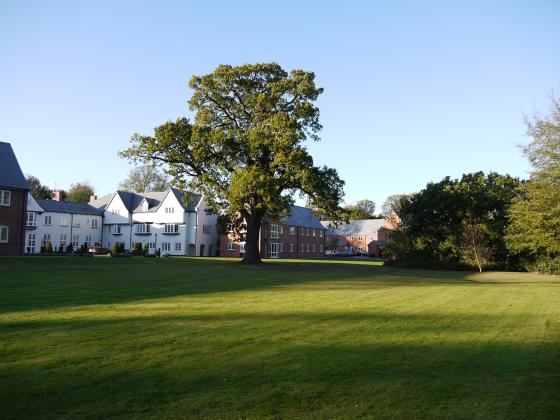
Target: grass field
183, 337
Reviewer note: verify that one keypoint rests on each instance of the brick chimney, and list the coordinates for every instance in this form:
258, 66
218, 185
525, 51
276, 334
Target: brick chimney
92, 198
57, 195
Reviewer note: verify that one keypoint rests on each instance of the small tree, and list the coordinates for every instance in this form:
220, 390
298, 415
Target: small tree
146, 249
363, 209
475, 247
145, 178
80, 192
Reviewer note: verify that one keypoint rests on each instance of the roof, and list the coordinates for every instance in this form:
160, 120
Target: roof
354, 227
132, 201
10, 172
54, 206
302, 216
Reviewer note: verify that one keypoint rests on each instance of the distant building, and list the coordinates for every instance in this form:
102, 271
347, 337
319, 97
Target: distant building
367, 236
299, 234
61, 223
13, 202
173, 222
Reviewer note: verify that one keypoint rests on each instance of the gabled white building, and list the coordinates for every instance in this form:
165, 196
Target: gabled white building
169, 221
61, 223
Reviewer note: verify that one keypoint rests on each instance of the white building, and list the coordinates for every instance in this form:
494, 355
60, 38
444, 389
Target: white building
61, 223
173, 222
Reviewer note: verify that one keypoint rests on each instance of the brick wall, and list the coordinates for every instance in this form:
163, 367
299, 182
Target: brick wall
14, 217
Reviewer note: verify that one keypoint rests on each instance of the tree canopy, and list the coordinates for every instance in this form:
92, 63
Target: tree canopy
80, 192
363, 209
145, 178
245, 149
37, 189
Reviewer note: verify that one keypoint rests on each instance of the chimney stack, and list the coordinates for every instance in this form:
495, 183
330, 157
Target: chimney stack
92, 198
57, 195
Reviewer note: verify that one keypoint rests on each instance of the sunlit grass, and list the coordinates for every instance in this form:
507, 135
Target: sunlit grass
184, 337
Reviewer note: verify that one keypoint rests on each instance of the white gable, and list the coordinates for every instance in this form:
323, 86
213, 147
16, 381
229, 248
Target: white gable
32, 204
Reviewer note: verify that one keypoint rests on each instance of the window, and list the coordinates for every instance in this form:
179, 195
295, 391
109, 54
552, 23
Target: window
48, 220
274, 231
281, 247
306, 247
5, 198
116, 229
4, 233
360, 238
76, 241
151, 245
94, 223
321, 248
62, 239
230, 246
76, 221
30, 243
166, 246
302, 233
46, 239
274, 250
31, 219
170, 209
313, 232
116, 211
206, 229
313, 248
291, 247
171, 228
88, 241
320, 233
63, 220
143, 228
177, 246
292, 230
307, 231
351, 238
242, 247
302, 248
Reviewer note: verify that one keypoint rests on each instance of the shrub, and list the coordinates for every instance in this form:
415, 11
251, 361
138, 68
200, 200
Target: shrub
70, 248
121, 248
137, 246
49, 247
146, 249
116, 248
547, 265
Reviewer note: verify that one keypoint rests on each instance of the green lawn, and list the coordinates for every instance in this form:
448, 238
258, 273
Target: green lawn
168, 338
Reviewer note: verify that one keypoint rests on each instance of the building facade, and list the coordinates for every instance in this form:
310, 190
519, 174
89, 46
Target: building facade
13, 202
168, 221
61, 223
359, 236
297, 235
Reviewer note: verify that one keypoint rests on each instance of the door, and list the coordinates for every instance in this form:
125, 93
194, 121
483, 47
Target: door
30, 247
274, 250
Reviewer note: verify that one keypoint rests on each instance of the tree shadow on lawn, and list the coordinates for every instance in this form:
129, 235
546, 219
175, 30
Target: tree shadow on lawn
179, 366
56, 282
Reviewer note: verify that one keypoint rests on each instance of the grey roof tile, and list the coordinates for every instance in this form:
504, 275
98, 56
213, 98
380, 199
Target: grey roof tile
354, 227
10, 171
54, 206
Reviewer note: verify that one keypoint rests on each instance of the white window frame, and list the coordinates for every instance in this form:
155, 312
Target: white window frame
30, 242
5, 198
274, 250
4, 234
166, 246
313, 248
274, 231
321, 248
207, 229
306, 247
33, 221
62, 241
177, 246
320, 234
46, 239
63, 220
170, 210
173, 229
76, 241
292, 230
231, 246
292, 246
242, 247
88, 241
302, 247
94, 223
48, 220
143, 228
116, 230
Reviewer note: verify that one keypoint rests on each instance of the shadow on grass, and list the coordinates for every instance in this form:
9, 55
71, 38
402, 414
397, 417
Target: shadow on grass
259, 365
47, 283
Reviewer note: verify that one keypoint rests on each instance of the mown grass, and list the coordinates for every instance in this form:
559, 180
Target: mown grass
180, 337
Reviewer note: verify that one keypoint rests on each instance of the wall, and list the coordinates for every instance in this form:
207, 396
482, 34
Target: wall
13, 216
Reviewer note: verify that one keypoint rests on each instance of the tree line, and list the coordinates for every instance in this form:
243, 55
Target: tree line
488, 221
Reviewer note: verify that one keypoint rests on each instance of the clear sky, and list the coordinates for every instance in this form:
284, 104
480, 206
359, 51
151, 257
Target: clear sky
414, 90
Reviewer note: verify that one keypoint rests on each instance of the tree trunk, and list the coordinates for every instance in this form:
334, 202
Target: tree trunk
252, 239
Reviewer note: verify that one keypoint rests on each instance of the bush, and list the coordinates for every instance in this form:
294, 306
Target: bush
146, 249
121, 248
70, 248
116, 248
137, 246
546, 265
49, 247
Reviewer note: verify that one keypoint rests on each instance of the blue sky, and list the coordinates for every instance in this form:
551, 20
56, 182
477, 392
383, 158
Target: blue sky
414, 91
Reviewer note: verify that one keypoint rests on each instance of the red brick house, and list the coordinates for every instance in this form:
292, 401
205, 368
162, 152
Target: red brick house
297, 235
13, 203
368, 236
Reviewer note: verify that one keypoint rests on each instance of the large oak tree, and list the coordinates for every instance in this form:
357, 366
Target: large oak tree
245, 149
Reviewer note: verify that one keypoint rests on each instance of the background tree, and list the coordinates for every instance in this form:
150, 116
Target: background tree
535, 217
38, 190
393, 204
80, 192
474, 248
145, 178
363, 209
245, 149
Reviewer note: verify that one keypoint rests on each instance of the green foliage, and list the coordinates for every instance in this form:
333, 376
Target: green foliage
80, 192
122, 250
116, 248
245, 150
49, 247
363, 209
440, 223
69, 248
146, 249
393, 204
534, 232
145, 178
38, 190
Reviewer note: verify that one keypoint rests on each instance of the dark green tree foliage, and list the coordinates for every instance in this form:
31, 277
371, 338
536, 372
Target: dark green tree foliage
534, 232
439, 224
363, 209
38, 190
245, 150
80, 192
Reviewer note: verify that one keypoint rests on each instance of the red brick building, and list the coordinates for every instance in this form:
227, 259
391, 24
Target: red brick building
297, 235
366, 236
13, 203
